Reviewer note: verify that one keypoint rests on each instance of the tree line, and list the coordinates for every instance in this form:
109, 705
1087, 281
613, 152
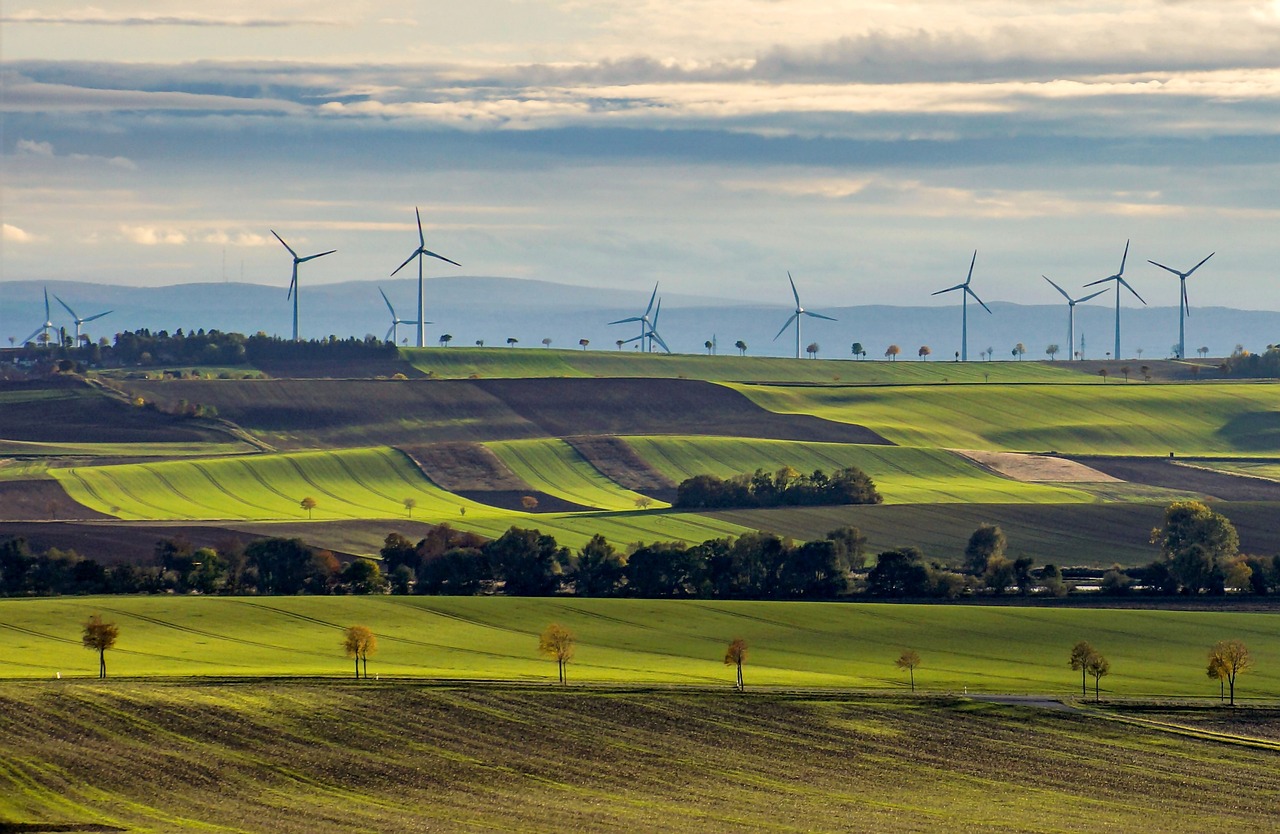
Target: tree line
786, 487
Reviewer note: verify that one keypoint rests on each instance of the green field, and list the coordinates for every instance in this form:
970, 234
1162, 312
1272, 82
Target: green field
556, 468
529, 362
308, 757
1268, 470
1087, 418
903, 475
804, 644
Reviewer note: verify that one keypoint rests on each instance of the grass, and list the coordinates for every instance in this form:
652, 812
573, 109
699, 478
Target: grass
998, 649
20, 448
1086, 418
556, 468
524, 363
1268, 470
322, 757
904, 475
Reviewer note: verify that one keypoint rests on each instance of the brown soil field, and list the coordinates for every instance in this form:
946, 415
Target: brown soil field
70, 411
42, 499
618, 461
1162, 472
118, 542
294, 414
1036, 468
464, 466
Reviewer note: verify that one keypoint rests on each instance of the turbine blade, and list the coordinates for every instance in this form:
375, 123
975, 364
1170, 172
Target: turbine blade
293, 284
34, 334
390, 330
793, 289
95, 318
422, 241
1089, 296
1132, 290
1197, 266
1166, 268
388, 303
654, 334
794, 316
1056, 287
1101, 280
1186, 305
652, 296
408, 261
627, 321
441, 257
971, 263
313, 257
1124, 258
948, 289
46, 304
979, 300
818, 315
68, 309
285, 245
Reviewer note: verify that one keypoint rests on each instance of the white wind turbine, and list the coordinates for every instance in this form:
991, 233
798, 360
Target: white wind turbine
419, 253
79, 321
1183, 309
646, 325
795, 317
1071, 312
293, 283
393, 332
964, 306
1120, 282
44, 328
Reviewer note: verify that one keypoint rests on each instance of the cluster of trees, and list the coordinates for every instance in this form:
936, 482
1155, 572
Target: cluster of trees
786, 487
1242, 363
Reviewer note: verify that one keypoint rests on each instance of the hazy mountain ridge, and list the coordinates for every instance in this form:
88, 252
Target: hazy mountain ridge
495, 309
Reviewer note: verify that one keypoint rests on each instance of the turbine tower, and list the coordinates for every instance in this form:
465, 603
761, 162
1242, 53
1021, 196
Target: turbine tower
418, 253
44, 328
293, 283
800, 311
393, 332
1183, 309
79, 321
646, 326
1120, 282
964, 307
1071, 313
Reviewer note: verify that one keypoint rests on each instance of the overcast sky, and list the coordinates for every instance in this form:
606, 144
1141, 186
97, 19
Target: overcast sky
867, 147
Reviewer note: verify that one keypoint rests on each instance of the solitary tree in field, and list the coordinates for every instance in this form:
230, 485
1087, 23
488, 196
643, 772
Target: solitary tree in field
359, 643
741, 346
445, 339
1052, 350
100, 636
582, 343
529, 503
644, 502
1217, 673
1102, 372
557, 643
512, 341
1080, 654
479, 342
1018, 350
1124, 369
909, 660
891, 352
620, 343
1231, 658
1203, 351
546, 343
736, 655
812, 350
308, 504
924, 352
1098, 667
409, 504
857, 350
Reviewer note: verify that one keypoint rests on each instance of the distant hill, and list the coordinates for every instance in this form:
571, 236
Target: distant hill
495, 309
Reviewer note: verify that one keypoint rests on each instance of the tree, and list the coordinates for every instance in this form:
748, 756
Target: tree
1203, 351
708, 345
100, 636
1102, 372
1018, 350
741, 346
1229, 658
891, 352
1125, 370
308, 504
546, 343
1052, 350
409, 504
582, 343
360, 642
812, 350
598, 569
858, 350
644, 502
1080, 654
529, 503
620, 343
512, 341
909, 660
1198, 546
363, 576
557, 643
924, 352
445, 339
736, 655
986, 543
1098, 667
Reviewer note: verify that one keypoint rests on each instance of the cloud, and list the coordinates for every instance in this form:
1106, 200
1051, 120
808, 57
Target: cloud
28, 147
13, 234
153, 235
224, 238
96, 17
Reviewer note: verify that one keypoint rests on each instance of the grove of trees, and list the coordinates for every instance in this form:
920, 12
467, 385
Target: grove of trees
786, 487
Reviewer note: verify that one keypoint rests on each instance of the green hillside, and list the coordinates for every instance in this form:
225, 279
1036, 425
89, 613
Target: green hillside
556, 468
1086, 418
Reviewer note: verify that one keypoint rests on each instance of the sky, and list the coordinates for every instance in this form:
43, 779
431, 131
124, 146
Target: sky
868, 148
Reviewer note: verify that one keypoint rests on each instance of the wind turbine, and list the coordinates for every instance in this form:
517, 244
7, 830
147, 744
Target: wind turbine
393, 332
1071, 311
964, 307
1183, 309
44, 328
418, 253
1119, 279
79, 321
800, 311
293, 284
646, 326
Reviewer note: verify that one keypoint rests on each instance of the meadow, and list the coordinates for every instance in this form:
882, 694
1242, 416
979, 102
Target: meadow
651, 642
1084, 418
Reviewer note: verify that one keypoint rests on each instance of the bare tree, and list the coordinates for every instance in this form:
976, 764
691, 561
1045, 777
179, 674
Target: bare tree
557, 643
308, 504
1080, 654
1098, 667
736, 655
1232, 658
909, 660
360, 642
409, 504
100, 636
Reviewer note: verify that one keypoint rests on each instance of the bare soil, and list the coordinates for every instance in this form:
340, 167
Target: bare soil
40, 499
1036, 468
117, 543
619, 462
464, 466
1163, 472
